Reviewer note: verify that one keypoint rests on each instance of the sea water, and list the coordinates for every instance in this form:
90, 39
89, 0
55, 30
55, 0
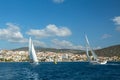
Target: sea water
59, 71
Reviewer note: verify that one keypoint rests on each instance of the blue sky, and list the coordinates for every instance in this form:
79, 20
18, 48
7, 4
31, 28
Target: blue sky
59, 23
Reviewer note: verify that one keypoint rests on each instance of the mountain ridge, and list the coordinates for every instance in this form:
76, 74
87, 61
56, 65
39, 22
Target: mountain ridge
106, 52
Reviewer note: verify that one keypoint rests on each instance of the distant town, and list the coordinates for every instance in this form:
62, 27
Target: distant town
48, 56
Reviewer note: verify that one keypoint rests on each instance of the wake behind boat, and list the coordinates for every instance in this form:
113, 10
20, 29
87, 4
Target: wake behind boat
95, 59
32, 54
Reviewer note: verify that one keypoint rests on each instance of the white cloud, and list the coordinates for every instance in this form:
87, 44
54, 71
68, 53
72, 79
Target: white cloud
106, 36
65, 44
11, 33
39, 43
117, 20
50, 30
58, 1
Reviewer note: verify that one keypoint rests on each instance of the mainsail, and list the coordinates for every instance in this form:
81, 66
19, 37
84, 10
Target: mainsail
95, 58
89, 48
32, 54
94, 55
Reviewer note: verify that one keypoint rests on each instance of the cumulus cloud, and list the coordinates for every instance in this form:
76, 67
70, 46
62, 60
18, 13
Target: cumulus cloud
50, 30
11, 33
65, 44
39, 43
117, 20
58, 1
106, 36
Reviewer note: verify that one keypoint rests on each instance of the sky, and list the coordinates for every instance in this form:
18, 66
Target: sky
59, 23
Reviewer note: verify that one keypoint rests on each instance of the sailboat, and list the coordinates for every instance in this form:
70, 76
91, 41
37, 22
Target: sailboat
95, 59
32, 55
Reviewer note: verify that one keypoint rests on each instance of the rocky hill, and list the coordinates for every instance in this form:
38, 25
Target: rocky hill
50, 49
108, 51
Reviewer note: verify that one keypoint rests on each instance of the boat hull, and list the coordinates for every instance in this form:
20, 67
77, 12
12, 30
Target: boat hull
97, 62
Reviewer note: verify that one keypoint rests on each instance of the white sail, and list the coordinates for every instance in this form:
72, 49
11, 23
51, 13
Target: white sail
87, 53
94, 55
32, 54
88, 47
96, 60
88, 44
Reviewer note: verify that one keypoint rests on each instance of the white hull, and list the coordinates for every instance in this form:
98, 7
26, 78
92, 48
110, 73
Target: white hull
96, 62
104, 62
93, 62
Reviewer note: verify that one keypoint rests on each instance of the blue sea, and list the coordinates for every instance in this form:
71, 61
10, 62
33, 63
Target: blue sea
60, 71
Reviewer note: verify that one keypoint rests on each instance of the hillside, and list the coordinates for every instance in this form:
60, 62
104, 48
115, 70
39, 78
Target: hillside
50, 49
108, 51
